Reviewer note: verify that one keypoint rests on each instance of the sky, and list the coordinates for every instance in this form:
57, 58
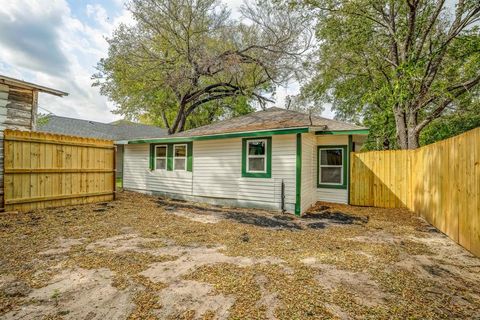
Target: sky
57, 43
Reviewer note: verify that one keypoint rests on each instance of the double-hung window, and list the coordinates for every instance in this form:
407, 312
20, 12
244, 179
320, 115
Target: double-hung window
180, 157
257, 155
161, 157
332, 161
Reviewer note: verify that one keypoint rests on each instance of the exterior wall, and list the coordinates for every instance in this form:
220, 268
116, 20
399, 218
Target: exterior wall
138, 176
217, 174
119, 161
358, 142
18, 109
324, 194
309, 169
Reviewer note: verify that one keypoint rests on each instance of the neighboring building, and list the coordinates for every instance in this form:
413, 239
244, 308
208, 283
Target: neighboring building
268, 159
18, 109
118, 130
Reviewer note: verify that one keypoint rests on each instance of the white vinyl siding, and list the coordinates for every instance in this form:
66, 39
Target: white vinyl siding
326, 194
309, 171
217, 173
138, 176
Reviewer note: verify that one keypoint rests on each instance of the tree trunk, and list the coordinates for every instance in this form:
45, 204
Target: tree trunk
401, 126
412, 131
413, 136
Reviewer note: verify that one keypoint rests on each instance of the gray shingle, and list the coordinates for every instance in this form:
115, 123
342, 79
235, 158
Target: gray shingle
269, 119
121, 130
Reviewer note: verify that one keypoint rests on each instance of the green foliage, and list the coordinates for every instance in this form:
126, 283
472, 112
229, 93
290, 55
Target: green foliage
42, 119
187, 63
394, 66
449, 126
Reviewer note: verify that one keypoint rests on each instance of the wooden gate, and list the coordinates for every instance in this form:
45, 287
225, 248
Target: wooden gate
49, 170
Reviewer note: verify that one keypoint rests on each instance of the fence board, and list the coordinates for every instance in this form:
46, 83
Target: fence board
50, 170
440, 182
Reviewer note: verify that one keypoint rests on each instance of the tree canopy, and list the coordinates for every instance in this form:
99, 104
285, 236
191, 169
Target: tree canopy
395, 65
185, 63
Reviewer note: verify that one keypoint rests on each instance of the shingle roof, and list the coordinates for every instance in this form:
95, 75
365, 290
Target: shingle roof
120, 130
269, 119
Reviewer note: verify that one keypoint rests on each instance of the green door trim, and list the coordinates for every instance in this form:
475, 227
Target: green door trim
298, 173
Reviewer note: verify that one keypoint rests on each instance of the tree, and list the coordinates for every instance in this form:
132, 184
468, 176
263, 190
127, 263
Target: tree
454, 122
184, 55
406, 61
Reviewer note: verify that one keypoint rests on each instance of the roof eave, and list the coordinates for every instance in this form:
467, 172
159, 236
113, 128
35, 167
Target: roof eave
257, 133
343, 132
24, 84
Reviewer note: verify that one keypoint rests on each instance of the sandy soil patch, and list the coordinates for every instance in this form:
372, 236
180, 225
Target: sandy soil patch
363, 287
77, 294
63, 246
188, 295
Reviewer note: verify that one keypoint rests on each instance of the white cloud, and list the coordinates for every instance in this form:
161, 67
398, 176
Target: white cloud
46, 43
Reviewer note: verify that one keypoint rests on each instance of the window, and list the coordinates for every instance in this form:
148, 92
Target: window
256, 157
180, 157
161, 157
171, 156
332, 172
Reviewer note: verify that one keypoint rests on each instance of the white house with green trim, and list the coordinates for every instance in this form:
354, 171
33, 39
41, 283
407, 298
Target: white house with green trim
275, 159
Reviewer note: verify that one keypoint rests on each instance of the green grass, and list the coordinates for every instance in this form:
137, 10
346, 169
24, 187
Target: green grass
119, 183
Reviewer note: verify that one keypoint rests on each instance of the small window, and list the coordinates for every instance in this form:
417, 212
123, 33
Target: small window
161, 157
180, 157
331, 166
257, 156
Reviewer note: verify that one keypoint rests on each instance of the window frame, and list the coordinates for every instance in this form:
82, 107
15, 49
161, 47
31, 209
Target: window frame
264, 156
155, 156
344, 167
267, 173
189, 157
185, 158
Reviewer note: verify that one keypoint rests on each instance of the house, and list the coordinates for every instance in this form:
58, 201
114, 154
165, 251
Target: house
275, 159
118, 130
18, 109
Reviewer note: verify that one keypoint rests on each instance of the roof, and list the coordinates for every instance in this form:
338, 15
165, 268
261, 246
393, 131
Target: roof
28, 85
119, 130
269, 119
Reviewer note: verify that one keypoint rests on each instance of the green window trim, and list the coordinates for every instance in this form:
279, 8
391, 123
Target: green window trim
170, 155
268, 173
344, 167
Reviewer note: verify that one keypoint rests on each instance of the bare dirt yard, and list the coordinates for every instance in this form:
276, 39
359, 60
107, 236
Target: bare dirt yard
144, 257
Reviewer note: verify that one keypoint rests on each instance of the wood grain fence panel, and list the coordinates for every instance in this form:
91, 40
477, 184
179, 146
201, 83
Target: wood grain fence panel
440, 182
49, 170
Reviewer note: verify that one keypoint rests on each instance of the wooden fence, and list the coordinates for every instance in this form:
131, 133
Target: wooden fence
440, 182
48, 170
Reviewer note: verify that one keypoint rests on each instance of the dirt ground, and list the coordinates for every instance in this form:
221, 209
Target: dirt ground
144, 257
